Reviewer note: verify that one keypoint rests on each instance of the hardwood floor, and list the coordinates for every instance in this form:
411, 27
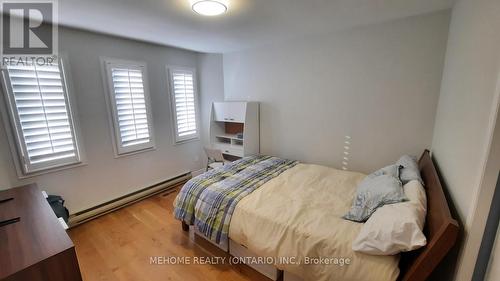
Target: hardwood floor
119, 245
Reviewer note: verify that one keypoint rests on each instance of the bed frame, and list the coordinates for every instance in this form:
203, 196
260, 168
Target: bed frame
441, 230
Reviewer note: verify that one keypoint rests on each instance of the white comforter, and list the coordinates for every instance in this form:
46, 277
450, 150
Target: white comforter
298, 214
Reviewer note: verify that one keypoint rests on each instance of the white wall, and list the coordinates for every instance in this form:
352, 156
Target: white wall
466, 117
468, 88
211, 81
104, 177
378, 84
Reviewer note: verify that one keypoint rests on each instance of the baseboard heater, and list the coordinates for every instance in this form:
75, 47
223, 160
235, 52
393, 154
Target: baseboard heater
123, 201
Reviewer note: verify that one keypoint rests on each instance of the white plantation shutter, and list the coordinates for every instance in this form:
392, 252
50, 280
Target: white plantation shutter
130, 106
130, 103
42, 118
184, 103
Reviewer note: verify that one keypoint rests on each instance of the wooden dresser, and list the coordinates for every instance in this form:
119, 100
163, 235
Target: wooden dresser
37, 247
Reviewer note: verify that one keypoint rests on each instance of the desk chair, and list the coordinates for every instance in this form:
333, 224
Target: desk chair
215, 158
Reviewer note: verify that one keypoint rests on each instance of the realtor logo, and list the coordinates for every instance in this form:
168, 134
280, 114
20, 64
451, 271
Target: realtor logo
29, 28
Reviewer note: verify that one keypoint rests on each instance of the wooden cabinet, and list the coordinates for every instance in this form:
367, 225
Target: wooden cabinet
234, 128
36, 248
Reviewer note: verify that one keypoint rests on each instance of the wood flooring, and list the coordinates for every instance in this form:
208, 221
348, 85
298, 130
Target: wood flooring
118, 247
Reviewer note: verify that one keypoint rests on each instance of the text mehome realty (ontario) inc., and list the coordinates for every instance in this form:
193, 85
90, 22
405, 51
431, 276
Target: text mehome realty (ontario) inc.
186, 260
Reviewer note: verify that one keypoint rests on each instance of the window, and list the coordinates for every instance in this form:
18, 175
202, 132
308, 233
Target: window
184, 103
130, 107
41, 116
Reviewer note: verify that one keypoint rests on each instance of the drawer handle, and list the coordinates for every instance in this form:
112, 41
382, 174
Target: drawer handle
231, 119
227, 151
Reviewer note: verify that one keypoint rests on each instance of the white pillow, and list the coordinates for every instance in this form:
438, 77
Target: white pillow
396, 227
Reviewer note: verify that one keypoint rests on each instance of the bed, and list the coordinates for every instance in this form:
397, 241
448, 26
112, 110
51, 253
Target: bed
297, 213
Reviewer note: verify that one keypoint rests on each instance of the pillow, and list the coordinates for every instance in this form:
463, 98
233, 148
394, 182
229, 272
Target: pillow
395, 228
391, 170
410, 169
375, 191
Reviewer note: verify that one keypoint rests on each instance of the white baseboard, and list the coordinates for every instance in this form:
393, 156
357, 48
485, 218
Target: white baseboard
105, 208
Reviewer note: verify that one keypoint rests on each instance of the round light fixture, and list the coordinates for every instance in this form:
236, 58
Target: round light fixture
209, 7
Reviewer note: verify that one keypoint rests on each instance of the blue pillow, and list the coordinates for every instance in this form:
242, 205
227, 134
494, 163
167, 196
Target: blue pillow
391, 170
410, 169
376, 190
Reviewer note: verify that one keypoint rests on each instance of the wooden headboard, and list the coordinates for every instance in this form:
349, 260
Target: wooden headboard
440, 228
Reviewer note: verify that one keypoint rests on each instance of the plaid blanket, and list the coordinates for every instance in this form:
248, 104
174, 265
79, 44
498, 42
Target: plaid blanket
208, 200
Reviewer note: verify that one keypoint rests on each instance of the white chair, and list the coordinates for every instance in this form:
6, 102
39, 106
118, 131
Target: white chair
215, 158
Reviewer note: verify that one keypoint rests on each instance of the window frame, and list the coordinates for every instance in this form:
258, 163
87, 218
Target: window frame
118, 149
14, 131
170, 69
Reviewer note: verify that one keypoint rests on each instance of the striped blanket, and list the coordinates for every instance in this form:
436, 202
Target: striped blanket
208, 200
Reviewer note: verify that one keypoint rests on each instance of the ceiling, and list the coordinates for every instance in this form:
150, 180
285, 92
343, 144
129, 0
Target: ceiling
247, 23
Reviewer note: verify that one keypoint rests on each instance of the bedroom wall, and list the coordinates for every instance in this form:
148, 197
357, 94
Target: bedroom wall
466, 117
317, 89
469, 85
211, 81
104, 177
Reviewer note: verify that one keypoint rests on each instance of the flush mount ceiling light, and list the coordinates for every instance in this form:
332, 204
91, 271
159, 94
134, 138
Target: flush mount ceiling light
209, 7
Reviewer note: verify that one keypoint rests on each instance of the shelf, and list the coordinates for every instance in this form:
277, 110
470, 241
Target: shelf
237, 142
223, 140
236, 150
228, 119
228, 136
229, 145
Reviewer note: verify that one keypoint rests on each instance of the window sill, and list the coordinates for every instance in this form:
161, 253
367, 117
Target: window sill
22, 175
125, 154
193, 139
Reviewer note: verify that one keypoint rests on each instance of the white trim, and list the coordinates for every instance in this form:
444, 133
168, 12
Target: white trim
469, 250
125, 200
485, 155
189, 138
15, 141
118, 149
74, 108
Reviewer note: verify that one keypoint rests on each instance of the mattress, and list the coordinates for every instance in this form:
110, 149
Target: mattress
295, 218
